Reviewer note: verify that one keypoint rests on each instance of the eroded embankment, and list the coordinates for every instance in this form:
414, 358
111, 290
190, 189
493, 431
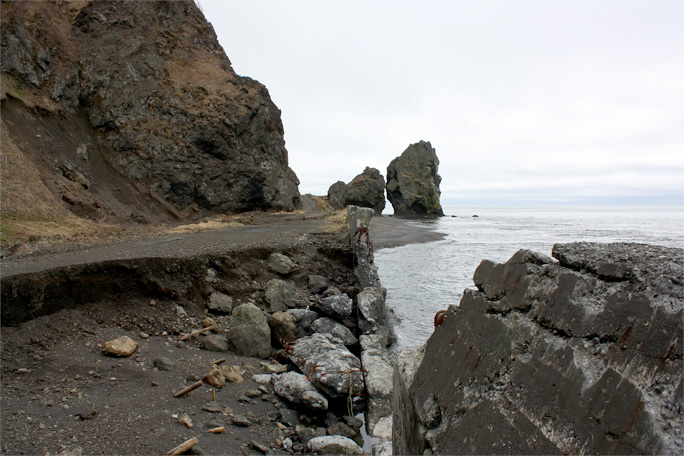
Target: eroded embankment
242, 274
272, 300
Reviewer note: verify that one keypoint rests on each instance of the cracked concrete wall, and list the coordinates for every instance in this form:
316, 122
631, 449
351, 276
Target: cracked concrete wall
577, 356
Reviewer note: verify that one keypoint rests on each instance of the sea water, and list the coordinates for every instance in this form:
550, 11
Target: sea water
424, 278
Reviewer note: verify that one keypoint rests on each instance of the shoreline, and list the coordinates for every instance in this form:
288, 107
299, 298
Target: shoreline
391, 231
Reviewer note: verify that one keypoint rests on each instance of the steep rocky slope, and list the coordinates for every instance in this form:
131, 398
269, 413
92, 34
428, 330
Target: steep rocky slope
577, 356
131, 109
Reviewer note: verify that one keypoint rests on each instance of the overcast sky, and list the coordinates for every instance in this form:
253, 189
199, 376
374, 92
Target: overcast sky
525, 102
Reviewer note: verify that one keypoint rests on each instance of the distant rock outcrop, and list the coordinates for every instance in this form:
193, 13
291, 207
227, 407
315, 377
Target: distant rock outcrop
365, 190
578, 356
156, 109
413, 182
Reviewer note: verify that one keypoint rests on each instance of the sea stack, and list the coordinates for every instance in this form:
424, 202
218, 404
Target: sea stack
365, 190
413, 182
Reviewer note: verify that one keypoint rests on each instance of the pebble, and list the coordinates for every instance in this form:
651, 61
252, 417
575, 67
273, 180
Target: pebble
259, 447
143, 335
212, 407
22, 370
164, 363
185, 420
241, 420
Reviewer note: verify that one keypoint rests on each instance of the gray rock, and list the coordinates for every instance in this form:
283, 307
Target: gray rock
304, 318
328, 365
587, 340
304, 433
358, 219
281, 264
343, 430
374, 316
214, 342
337, 195
280, 295
242, 421
250, 334
382, 449
327, 325
379, 370
164, 363
220, 303
317, 284
297, 388
413, 182
289, 417
337, 306
283, 328
333, 444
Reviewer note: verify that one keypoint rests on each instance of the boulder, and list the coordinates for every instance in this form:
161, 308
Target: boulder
579, 355
122, 347
220, 303
280, 295
297, 388
214, 342
343, 430
281, 264
337, 306
328, 365
283, 328
164, 363
333, 444
250, 334
317, 284
337, 195
373, 314
336, 329
413, 182
304, 318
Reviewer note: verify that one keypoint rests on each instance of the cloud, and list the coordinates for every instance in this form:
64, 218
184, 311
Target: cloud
525, 101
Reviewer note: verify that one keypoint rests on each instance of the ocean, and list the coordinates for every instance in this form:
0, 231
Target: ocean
424, 278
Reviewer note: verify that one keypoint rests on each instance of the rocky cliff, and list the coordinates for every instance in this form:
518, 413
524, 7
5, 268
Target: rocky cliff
413, 182
132, 107
582, 355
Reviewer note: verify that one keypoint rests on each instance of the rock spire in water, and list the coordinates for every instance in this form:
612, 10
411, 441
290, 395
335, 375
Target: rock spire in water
413, 182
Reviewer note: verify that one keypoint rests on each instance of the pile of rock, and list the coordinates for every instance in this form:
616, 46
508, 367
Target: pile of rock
335, 343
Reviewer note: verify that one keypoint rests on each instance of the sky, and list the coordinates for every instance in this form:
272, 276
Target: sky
525, 102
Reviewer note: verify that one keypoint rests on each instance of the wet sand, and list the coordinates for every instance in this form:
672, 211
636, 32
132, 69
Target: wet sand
390, 231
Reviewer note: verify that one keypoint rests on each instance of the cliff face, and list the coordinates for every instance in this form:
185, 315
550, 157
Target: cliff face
147, 102
579, 356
